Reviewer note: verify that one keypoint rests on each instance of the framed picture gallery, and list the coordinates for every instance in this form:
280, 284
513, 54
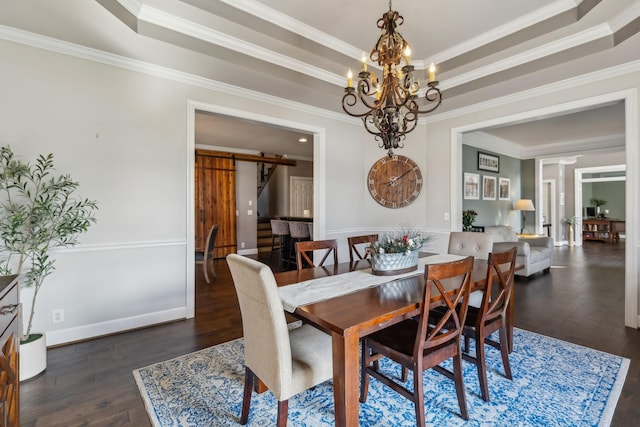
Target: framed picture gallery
488, 162
504, 189
471, 186
488, 188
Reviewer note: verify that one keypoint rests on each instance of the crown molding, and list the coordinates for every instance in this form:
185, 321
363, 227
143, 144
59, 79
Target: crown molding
171, 22
288, 23
47, 43
601, 144
514, 26
493, 143
583, 37
583, 79
133, 6
625, 17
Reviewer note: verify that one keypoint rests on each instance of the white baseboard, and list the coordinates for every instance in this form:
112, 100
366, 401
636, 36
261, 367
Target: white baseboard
113, 326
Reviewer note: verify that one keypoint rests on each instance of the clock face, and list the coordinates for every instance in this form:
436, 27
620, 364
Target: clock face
394, 182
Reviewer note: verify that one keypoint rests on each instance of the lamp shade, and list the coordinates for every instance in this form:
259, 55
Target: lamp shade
524, 205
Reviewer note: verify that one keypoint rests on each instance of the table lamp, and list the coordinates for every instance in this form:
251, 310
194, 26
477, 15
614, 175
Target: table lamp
524, 205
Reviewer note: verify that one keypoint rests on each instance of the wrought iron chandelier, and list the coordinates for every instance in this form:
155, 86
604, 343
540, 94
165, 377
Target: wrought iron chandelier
389, 107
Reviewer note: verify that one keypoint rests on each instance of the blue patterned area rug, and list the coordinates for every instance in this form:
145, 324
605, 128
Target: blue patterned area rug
555, 383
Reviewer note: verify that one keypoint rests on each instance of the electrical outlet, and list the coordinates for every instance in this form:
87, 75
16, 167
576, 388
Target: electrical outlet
58, 315
446, 216
241, 245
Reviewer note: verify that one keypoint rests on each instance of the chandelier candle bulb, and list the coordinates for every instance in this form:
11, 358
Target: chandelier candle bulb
364, 61
407, 54
349, 78
432, 73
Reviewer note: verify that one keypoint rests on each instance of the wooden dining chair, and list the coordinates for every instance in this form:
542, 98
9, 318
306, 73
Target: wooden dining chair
207, 262
418, 345
491, 316
304, 248
353, 242
287, 361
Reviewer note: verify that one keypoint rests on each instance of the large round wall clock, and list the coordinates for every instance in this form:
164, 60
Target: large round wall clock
395, 181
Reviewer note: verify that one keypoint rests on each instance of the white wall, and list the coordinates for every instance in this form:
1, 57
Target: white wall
124, 135
246, 200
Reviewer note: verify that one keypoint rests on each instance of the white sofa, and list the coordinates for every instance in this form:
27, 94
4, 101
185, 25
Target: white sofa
535, 254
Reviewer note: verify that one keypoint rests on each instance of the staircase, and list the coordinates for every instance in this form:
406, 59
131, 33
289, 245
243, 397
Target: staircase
264, 235
265, 172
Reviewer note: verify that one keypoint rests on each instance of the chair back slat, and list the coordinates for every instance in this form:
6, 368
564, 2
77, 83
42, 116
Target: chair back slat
499, 287
450, 284
304, 248
354, 252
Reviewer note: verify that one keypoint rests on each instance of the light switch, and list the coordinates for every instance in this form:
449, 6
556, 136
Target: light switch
250, 202
250, 212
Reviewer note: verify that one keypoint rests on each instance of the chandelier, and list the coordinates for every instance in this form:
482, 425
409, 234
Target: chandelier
389, 107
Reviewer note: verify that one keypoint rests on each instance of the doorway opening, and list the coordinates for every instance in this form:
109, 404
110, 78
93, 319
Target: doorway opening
631, 140
316, 139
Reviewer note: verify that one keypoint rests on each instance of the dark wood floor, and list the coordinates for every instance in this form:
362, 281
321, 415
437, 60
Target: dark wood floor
91, 384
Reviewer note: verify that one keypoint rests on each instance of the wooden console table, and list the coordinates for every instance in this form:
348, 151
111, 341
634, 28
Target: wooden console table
605, 229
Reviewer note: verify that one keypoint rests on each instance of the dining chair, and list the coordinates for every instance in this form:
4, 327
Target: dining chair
279, 229
299, 232
304, 248
287, 361
470, 243
354, 241
417, 345
491, 316
207, 262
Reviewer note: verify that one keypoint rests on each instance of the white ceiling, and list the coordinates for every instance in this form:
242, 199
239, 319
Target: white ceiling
300, 51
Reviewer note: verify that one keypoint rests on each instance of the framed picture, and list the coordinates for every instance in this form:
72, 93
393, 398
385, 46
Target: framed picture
488, 162
504, 189
488, 188
471, 186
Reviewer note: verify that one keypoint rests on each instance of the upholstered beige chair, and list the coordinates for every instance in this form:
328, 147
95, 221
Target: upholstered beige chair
469, 243
477, 245
286, 361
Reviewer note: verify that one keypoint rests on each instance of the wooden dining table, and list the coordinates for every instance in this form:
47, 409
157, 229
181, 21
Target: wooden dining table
349, 317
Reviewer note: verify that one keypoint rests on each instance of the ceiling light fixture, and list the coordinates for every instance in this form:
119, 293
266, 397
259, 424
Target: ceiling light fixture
389, 108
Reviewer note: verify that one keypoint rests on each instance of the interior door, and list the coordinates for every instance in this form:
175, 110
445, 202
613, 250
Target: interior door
215, 194
301, 196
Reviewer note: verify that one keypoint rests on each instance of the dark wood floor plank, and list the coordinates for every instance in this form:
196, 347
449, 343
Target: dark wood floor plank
91, 383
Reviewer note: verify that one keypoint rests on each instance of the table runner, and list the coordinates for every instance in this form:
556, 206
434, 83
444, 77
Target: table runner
315, 290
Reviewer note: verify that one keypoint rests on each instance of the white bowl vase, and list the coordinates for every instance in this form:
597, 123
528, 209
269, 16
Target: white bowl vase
33, 357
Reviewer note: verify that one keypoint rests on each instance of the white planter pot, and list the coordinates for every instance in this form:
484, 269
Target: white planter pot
33, 357
570, 237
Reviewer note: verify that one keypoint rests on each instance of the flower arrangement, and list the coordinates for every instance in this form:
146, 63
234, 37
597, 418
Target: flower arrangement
570, 220
402, 241
468, 218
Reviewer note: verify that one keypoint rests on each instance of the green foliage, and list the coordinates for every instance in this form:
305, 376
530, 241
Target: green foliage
38, 212
598, 202
570, 220
468, 218
401, 241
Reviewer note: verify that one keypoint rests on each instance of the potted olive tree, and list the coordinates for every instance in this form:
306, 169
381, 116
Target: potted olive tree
38, 212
